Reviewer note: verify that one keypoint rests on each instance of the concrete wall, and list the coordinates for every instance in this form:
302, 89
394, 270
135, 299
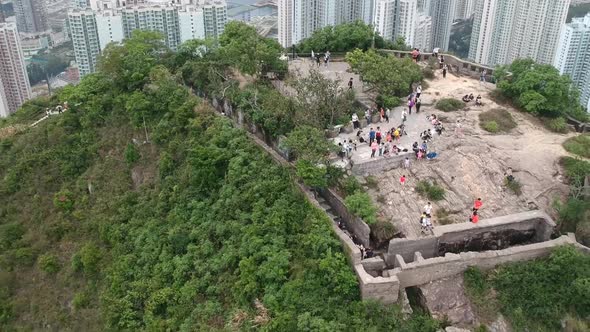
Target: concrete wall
458, 65
488, 234
423, 271
354, 224
383, 289
380, 164
406, 248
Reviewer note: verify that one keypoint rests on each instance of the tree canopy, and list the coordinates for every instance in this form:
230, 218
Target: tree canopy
539, 89
347, 37
390, 76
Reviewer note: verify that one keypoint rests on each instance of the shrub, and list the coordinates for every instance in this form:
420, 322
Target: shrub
24, 256
576, 170
388, 101
350, 185
87, 259
372, 182
491, 126
131, 154
430, 190
361, 205
443, 216
449, 104
497, 120
554, 287
48, 263
64, 200
579, 145
382, 231
428, 73
81, 300
514, 186
312, 175
557, 125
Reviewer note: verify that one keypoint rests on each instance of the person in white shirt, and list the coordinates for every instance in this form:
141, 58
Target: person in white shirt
355, 121
418, 91
428, 209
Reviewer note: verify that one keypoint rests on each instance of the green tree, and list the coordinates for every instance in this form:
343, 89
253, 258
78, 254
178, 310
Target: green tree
321, 102
539, 89
343, 38
309, 143
388, 75
248, 51
130, 63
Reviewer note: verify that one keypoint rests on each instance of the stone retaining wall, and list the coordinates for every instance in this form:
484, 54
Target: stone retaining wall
356, 225
381, 164
423, 271
488, 234
457, 65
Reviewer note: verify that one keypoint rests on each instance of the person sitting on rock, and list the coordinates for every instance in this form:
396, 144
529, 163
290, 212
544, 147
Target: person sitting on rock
466, 98
439, 128
478, 101
471, 96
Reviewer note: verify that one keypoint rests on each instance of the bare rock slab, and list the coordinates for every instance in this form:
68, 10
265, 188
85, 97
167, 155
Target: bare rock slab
446, 297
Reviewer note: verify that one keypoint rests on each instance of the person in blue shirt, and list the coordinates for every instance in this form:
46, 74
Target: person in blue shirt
371, 135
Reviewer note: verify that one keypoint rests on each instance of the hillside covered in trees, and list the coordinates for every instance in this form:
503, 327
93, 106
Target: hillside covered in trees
139, 208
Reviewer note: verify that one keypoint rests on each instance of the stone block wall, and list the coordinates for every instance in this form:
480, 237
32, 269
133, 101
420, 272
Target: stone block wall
488, 234
383, 289
423, 271
354, 224
380, 164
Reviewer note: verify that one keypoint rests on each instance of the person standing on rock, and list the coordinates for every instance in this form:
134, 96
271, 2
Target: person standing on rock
387, 114
459, 128
477, 205
428, 209
418, 91
410, 105
474, 217
378, 135
355, 121
350, 84
371, 136
407, 163
374, 147
404, 116
418, 103
368, 116
402, 180
444, 71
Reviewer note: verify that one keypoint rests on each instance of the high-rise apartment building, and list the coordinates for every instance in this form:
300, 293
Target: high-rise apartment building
84, 35
408, 14
573, 55
14, 81
464, 9
423, 33
443, 14
31, 15
215, 17
386, 18
505, 30
91, 30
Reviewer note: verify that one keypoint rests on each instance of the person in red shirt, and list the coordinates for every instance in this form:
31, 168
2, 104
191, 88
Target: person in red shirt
402, 180
477, 205
474, 218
